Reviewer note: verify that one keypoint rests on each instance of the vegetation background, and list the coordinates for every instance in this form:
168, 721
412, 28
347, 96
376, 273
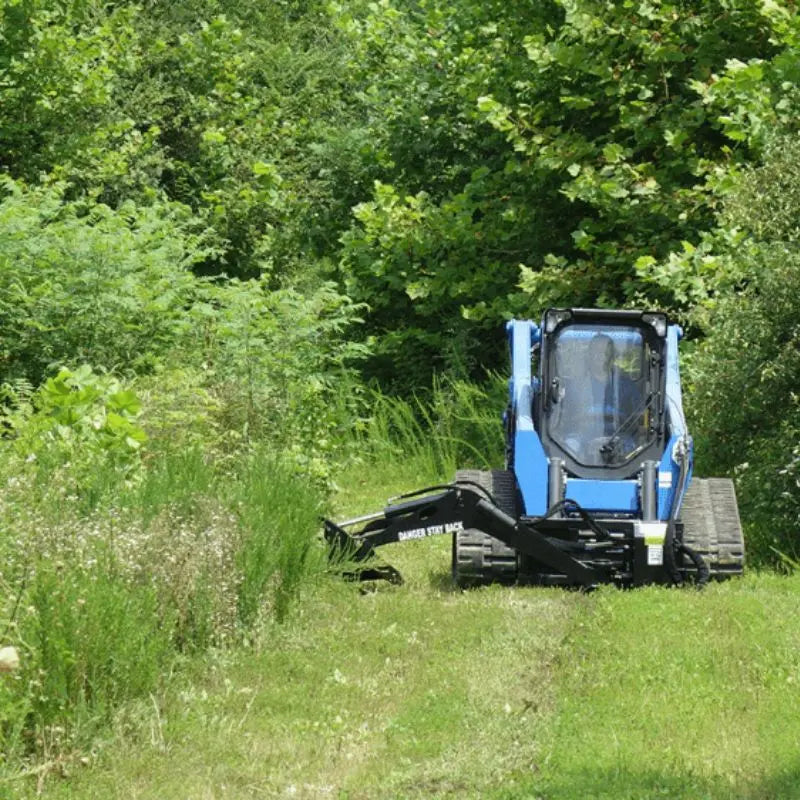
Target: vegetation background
249, 251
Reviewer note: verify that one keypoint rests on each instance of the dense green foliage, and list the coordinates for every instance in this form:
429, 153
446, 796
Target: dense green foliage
459, 162
80, 281
228, 108
748, 371
220, 220
547, 153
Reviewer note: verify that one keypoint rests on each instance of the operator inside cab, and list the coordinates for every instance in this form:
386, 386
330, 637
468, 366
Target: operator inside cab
599, 415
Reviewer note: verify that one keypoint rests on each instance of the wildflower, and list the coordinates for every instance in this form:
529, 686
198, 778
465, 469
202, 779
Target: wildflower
9, 659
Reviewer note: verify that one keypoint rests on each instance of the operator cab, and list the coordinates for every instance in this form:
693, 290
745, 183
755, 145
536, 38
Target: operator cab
600, 408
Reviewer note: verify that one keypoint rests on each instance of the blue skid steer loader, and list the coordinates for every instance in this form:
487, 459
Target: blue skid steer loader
598, 483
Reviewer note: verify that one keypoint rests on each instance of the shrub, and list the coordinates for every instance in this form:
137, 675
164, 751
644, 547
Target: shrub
82, 283
746, 375
225, 361
280, 366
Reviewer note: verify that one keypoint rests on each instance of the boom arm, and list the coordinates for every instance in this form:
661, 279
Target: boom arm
452, 509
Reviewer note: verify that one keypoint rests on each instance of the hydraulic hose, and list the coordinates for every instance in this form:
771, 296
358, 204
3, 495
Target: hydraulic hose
703, 572
571, 505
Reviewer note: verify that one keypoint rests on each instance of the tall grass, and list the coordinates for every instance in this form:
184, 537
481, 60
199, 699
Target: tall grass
92, 640
457, 426
278, 516
111, 579
101, 601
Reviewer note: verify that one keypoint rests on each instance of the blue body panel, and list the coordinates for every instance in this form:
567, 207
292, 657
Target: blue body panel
529, 459
667, 479
530, 468
530, 463
668, 469
610, 496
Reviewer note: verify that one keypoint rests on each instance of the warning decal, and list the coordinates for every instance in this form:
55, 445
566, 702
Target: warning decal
655, 555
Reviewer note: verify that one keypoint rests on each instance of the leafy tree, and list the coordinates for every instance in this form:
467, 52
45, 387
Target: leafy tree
436, 251
62, 67
253, 118
549, 148
496, 158
231, 109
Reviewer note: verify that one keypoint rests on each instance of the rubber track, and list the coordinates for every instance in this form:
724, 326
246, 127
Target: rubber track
711, 525
477, 557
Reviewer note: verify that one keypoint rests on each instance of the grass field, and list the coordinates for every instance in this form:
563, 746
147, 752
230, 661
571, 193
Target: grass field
421, 691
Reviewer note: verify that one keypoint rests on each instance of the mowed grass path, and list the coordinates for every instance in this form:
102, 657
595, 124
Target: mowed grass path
419, 691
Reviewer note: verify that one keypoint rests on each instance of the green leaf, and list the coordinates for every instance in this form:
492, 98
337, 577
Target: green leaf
125, 401
613, 153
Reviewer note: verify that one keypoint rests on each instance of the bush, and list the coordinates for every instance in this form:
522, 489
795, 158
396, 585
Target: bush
280, 365
746, 375
82, 283
225, 361
533, 154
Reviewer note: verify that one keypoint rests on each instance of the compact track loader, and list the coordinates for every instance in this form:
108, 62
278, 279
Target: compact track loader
598, 484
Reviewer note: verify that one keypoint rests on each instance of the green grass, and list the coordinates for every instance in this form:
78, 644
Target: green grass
366, 696
421, 691
678, 694
457, 426
508, 693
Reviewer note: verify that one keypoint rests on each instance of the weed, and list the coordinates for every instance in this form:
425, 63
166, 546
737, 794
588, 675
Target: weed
458, 426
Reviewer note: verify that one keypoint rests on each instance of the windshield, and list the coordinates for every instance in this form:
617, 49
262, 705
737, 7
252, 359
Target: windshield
600, 393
